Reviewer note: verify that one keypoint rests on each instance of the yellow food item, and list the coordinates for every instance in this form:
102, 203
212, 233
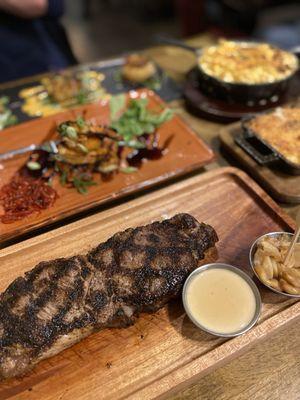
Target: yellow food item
58, 92
269, 266
35, 107
247, 63
138, 68
288, 288
281, 129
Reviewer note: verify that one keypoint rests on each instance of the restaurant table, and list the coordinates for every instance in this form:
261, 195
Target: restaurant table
271, 369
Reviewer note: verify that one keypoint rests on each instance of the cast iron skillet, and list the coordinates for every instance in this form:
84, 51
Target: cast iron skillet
262, 152
248, 94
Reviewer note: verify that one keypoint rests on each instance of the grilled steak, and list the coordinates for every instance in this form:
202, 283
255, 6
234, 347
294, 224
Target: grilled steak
59, 302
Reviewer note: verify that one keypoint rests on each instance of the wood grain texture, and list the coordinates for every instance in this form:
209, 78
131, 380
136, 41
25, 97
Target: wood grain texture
162, 352
185, 153
283, 187
269, 371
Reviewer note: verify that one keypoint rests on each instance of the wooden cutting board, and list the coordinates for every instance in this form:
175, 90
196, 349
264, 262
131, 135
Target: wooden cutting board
163, 352
185, 152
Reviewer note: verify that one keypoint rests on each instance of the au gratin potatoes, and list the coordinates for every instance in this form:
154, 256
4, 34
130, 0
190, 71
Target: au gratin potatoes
280, 129
247, 63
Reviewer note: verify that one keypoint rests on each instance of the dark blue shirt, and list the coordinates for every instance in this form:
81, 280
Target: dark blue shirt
32, 46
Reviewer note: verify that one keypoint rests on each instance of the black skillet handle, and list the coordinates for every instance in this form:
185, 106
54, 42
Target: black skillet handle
261, 153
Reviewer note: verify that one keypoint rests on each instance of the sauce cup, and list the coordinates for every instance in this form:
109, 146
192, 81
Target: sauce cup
241, 274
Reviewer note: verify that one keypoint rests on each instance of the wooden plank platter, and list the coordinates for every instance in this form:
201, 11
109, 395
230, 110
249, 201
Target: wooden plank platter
162, 352
281, 186
185, 153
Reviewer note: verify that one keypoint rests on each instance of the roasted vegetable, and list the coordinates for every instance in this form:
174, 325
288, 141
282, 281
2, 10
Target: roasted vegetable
83, 143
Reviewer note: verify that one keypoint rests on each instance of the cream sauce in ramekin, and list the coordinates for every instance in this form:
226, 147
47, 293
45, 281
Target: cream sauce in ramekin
220, 301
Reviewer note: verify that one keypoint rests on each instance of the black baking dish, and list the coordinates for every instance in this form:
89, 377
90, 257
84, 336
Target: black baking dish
248, 94
262, 152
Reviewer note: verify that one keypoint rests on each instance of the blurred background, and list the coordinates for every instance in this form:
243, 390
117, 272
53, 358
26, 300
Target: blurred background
42, 35
103, 28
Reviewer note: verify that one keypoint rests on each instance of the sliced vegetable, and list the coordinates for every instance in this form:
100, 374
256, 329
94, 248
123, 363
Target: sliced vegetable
80, 122
81, 184
71, 133
128, 170
33, 165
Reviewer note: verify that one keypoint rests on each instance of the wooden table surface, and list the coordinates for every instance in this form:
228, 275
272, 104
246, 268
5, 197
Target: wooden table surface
270, 370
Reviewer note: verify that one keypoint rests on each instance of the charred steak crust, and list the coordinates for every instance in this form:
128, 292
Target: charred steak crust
59, 302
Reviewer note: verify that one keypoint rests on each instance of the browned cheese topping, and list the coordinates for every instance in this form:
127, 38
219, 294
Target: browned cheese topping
280, 129
247, 63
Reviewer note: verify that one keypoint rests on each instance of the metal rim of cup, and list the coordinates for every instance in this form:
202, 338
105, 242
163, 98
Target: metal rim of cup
251, 256
241, 274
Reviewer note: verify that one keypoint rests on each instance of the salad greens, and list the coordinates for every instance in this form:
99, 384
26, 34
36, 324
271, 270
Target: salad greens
81, 181
82, 184
117, 104
136, 120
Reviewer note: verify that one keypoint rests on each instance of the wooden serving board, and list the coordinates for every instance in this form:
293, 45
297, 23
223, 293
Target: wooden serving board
163, 352
185, 153
281, 186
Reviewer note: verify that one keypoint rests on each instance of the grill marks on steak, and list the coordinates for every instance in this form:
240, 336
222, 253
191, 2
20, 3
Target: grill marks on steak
54, 305
61, 301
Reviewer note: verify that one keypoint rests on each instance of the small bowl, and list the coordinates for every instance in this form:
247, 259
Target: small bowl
251, 259
238, 272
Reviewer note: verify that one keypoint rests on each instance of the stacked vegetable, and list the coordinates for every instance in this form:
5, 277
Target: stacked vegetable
84, 149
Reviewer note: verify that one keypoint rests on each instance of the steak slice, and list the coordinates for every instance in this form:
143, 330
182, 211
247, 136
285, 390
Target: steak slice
60, 302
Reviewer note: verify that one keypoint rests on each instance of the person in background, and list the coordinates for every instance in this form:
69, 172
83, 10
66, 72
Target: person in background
32, 40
